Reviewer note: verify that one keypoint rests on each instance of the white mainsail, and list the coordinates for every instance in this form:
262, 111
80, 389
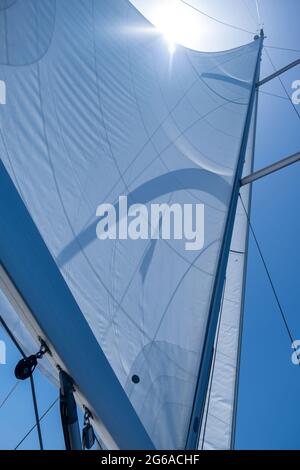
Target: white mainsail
97, 109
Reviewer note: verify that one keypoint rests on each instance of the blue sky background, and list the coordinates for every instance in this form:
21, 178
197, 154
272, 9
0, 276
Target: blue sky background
270, 384
269, 393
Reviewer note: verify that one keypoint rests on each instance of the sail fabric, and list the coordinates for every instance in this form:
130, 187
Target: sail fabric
218, 427
97, 108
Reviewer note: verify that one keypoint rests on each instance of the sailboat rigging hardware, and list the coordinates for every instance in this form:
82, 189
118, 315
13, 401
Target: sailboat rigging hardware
278, 73
26, 366
271, 169
68, 413
88, 434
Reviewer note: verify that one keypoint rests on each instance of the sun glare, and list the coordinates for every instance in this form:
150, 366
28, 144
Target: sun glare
176, 23
207, 32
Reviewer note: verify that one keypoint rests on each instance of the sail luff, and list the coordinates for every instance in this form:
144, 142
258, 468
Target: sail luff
217, 430
248, 191
214, 312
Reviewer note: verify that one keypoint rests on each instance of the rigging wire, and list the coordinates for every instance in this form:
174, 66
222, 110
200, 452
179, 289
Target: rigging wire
253, 17
258, 12
273, 94
289, 332
40, 419
34, 399
11, 336
35, 425
36, 412
9, 394
283, 49
283, 85
216, 19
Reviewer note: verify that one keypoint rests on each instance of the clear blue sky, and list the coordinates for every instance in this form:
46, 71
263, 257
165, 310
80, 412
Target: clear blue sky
268, 408
270, 385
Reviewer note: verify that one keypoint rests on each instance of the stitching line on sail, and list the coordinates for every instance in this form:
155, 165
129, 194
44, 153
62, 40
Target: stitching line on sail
26, 64
139, 153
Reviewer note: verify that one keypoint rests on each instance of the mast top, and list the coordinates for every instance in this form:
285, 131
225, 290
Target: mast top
261, 35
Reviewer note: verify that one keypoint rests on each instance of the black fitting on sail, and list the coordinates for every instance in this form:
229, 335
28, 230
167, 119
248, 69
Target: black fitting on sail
88, 434
68, 413
26, 366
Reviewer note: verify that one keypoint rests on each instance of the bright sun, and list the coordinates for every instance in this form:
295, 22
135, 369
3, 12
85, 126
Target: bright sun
176, 23
181, 24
